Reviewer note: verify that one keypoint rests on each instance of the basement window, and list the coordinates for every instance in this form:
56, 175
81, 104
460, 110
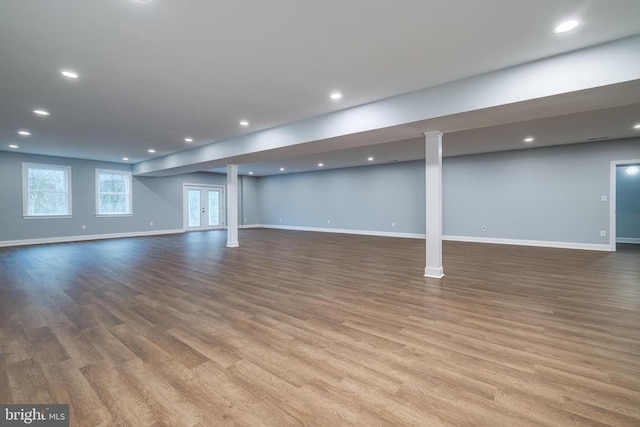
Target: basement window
113, 193
46, 191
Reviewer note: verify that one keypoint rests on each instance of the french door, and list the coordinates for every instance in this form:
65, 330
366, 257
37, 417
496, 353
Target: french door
203, 207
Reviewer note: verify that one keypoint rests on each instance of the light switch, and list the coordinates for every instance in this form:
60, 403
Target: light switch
603, 198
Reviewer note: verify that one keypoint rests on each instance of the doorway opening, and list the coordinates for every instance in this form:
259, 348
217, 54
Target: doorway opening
203, 207
624, 212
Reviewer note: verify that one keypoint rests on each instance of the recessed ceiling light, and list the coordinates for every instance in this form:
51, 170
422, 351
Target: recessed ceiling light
125, 158
41, 112
529, 139
244, 123
188, 140
70, 74
633, 170
637, 126
281, 169
370, 159
13, 146
335, 95
151, 150
566, 26
250, 173
24, 133
320, 164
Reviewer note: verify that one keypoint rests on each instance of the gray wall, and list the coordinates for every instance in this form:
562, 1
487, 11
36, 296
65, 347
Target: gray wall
365, 198
627, 204
250, 208
548, 194
157, 200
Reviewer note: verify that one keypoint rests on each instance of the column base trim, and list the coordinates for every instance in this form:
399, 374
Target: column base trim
434, 273
233, 244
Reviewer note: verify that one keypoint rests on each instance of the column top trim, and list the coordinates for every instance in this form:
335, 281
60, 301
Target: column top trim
433, 133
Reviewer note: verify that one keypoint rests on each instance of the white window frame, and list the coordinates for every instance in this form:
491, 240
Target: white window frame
129, 194
25, 190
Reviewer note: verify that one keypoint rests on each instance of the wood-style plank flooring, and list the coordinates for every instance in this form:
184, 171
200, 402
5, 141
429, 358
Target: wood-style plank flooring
297, 328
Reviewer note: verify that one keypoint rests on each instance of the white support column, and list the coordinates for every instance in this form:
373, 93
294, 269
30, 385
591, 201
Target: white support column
232, 206
433, 199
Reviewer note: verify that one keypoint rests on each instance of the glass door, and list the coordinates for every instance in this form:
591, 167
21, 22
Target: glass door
204, 207
214, 213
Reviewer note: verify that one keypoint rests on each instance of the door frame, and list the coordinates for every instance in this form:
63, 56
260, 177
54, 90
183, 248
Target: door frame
612, 199
185, 209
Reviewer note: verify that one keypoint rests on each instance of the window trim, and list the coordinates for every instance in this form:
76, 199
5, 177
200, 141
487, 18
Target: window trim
25, 190
129, 194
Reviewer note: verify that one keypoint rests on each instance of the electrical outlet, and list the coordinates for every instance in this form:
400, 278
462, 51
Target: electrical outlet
603, 198
328, 221
280, 219
484, 228
393, 224
84, 227
603, 233
245, 220
151, 223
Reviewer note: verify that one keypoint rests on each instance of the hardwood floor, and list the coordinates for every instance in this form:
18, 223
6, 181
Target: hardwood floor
320, 329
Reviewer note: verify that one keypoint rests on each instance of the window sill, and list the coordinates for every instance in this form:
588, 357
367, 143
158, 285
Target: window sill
113, 215
46, 217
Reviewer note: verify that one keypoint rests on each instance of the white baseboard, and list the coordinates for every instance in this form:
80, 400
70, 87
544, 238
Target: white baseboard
537, 243
633, 240
344, 231
516, 242
66, 239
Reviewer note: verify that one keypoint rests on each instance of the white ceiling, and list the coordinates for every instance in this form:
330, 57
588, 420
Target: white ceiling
157, 71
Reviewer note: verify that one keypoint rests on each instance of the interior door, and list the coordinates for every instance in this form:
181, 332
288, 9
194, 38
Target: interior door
203, 207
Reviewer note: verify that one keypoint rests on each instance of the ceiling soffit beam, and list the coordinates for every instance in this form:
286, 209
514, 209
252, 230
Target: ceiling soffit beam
593, 67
